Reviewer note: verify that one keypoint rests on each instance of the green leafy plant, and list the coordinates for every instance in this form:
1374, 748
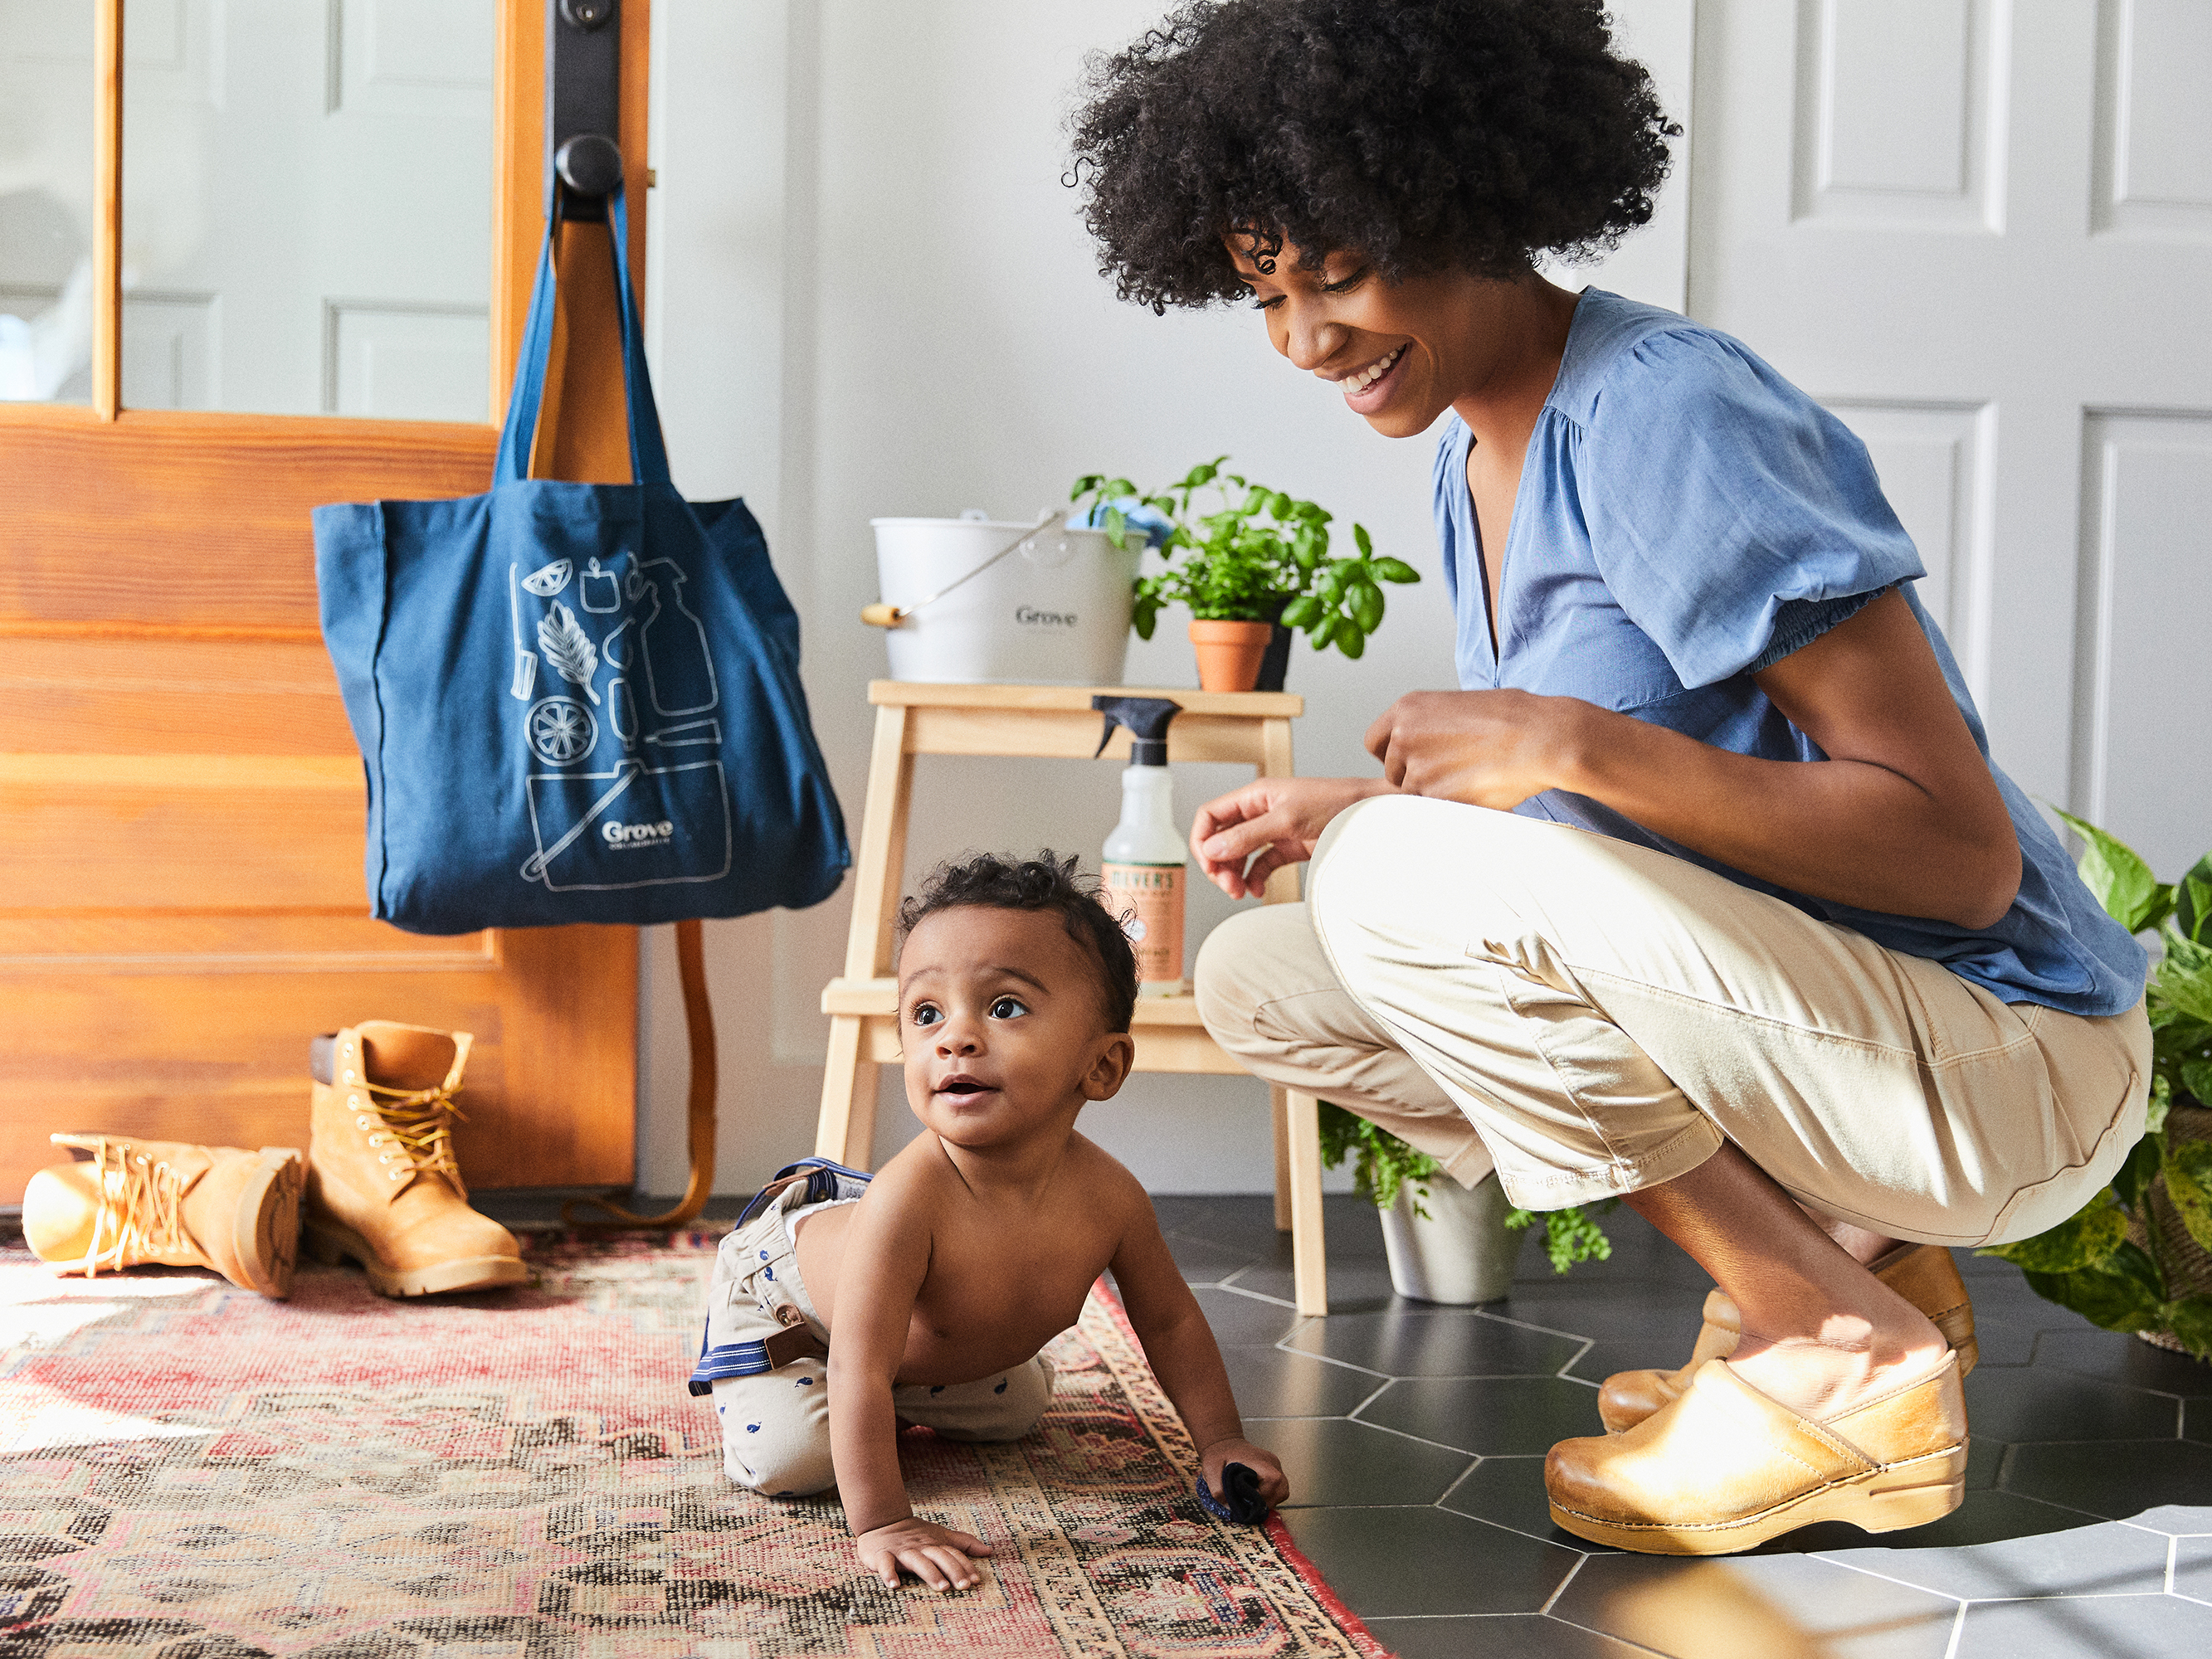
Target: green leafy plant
2089, 1263
1383, 1164
1259, 556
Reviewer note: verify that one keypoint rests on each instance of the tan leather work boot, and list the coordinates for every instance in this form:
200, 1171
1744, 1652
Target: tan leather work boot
382, 1185
170, 1203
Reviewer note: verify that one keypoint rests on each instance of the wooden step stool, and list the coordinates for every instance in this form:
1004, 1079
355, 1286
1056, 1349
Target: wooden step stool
1059, 722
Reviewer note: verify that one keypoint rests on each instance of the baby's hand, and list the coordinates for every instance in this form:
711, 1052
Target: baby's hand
1258, 1459
936, 1555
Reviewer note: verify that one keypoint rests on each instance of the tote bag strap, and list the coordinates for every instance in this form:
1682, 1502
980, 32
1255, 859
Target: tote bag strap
648, 456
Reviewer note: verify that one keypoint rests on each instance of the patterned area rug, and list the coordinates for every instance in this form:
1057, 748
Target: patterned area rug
191, 1471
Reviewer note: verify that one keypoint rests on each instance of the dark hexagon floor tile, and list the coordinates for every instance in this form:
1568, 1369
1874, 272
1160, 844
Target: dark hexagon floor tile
1246, 1222
1986, 1516
2193, 1568
1776, 1607
1415, 1340
2077, 1560
1609, 1354
1269, 1383
1245, 1319
1330, 1461
1524, 1635
1664, 1319
1354, 1286
1509, 1491
1202, 1263
2021, 1403
2115, 1478
2176, 1520
2119, 1357
1410, 1561
1491, 1416
2085, 1627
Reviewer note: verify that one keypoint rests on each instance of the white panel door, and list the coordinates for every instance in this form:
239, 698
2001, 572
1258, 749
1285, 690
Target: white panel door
1981, 230
307, 206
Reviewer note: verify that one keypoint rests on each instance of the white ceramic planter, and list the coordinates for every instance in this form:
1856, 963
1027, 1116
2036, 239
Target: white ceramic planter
1461, 1252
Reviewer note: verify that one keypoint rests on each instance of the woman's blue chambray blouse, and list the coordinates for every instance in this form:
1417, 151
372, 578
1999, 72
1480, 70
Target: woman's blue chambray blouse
1686, 517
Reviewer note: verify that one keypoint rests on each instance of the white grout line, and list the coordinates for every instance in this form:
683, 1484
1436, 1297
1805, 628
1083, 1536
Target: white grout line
1886, 1578
1420, 1440
1253, 1296
1560, 1589
1958, 1631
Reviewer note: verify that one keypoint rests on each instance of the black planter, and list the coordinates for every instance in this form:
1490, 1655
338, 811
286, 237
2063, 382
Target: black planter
1277, 662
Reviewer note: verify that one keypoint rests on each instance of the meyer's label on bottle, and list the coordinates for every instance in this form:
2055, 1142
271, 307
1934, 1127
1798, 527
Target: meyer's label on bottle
1148, 897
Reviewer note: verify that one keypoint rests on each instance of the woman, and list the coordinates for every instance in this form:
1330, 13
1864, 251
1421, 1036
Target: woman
1702, 890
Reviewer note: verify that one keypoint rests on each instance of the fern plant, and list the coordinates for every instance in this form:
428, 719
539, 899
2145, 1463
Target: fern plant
1383, 1164
2089, 1262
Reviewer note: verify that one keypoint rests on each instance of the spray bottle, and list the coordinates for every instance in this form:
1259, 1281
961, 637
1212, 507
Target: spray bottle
1145, 861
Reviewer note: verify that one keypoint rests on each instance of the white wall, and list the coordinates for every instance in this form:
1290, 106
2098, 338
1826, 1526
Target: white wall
870, 295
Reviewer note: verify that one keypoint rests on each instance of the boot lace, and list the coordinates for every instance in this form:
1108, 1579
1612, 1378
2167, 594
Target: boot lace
416, 1131
141, 1213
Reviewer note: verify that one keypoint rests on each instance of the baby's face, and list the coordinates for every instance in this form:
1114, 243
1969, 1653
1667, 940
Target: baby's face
999, 1017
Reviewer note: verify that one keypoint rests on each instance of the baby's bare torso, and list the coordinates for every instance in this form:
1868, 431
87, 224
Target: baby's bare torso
1004, 1278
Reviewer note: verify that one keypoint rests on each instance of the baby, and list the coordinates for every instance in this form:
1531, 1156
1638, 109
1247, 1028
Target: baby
844, 1308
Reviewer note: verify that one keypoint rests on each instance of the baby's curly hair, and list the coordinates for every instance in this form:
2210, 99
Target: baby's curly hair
1046, 882
1423, 135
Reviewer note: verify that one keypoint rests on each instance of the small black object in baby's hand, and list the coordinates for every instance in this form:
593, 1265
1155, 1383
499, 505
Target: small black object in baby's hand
1240, 1500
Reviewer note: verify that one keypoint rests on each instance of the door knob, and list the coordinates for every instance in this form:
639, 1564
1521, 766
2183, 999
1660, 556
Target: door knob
591, 163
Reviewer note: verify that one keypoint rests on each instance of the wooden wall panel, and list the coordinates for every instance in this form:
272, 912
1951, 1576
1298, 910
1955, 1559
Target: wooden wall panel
212, 510
171, 695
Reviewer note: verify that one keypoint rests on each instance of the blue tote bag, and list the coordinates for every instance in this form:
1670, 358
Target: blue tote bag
575, 702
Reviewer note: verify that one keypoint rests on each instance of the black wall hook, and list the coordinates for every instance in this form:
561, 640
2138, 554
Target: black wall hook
583, 106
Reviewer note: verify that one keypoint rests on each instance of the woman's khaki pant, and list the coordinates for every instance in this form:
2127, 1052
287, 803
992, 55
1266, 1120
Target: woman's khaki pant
1594, 1018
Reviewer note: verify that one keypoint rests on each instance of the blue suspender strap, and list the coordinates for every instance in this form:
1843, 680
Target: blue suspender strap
825, 1180
752, 1359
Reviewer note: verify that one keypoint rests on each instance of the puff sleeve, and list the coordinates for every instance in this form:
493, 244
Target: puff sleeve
1727, 510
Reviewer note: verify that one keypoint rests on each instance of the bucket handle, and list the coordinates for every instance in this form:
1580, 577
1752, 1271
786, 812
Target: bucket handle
890, 616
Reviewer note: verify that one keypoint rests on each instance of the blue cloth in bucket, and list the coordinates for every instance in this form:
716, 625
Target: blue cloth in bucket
575, 702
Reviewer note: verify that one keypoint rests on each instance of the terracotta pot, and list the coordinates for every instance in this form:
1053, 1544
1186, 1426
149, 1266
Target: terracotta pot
1229, 653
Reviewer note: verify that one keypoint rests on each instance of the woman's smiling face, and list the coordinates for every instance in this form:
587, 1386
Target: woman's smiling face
1401, 352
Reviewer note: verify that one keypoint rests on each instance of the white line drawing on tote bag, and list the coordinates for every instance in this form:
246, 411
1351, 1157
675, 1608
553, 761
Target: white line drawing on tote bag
691, 733
549, 580
599, 585
677, 664
526, 660
569, 650
710, 787
621, 710
533, 868
561, 731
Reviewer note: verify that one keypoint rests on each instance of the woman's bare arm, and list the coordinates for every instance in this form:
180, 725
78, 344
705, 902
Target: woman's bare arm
1904, 816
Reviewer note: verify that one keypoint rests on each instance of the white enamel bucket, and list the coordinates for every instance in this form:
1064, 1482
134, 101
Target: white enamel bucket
1055, 613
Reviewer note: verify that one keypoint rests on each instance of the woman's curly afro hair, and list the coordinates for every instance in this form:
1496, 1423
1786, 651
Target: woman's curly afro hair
1424, 134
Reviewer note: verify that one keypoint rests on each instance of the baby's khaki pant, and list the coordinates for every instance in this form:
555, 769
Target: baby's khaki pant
1595, 1018
775, 1425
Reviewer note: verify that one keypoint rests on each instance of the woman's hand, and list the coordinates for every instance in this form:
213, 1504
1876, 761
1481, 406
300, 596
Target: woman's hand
1283, 816
1484, 747
936, 1555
